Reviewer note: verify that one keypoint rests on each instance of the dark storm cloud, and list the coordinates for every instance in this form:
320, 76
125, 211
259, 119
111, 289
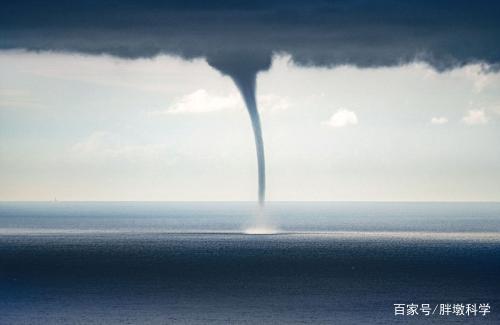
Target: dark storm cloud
327, 33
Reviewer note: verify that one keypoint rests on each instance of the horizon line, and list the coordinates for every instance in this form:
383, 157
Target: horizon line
248, 201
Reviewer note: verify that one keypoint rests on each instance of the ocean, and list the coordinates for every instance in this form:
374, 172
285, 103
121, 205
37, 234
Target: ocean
198, 263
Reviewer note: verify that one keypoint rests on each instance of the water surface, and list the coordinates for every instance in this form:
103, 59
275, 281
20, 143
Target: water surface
192, 263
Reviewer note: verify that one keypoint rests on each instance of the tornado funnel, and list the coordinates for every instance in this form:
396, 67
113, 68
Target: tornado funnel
243, 70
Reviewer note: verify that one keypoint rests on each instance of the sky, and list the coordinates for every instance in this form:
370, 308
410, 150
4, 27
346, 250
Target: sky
98, 127
359, 100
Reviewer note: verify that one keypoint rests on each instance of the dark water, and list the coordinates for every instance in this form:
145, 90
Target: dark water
191, 263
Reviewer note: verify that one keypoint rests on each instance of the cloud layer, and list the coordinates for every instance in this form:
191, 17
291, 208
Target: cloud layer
443, 33
475, 117
201, 101
342, 118
439, 120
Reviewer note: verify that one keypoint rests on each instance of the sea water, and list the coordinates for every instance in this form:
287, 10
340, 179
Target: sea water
196, 263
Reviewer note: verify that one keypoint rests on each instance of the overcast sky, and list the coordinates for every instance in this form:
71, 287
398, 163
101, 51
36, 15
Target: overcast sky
82, 127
